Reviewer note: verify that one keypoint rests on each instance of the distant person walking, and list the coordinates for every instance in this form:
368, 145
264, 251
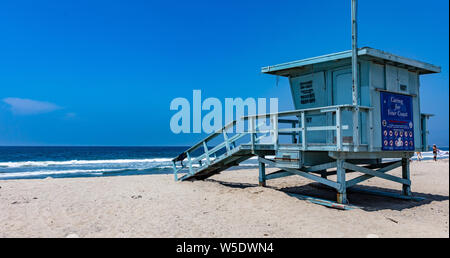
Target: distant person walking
419, 155
435, 152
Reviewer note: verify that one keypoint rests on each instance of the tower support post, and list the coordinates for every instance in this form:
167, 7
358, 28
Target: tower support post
406, 175
262, 173
342, 191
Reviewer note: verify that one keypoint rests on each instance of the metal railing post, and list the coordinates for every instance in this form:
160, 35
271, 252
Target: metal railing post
252, 132
189, 162
227, 143
338, 129
370, 134
356, 135
294, 134
274, 119
303, 131
205, 147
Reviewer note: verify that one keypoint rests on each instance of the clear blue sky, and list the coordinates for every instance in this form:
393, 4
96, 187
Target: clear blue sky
104, 72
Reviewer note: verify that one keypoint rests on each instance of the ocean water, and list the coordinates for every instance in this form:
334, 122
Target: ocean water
57, 162
42, 162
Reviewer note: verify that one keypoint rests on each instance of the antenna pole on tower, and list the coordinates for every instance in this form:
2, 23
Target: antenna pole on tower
355, 80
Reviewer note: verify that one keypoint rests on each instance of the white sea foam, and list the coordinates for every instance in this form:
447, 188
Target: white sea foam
159, 162
18, 164
425, 156
51, 172
98, 167
429, 155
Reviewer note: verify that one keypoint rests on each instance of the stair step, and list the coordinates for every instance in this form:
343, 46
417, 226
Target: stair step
218, 166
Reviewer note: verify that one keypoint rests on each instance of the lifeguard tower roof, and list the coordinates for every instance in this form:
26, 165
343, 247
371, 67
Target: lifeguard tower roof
368, 53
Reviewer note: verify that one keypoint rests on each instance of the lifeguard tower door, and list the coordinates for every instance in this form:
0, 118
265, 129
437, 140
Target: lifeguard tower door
342, 94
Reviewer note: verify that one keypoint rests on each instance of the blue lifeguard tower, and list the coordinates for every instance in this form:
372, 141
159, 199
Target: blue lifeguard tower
352, 110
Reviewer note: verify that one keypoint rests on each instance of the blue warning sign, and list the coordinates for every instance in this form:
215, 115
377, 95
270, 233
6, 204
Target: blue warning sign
397, 127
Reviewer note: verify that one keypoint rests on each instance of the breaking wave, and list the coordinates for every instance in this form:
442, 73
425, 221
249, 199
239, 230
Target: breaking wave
40, 173
155, 161
77, 168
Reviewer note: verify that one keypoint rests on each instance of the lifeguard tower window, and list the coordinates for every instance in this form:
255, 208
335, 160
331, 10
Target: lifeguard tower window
307, 93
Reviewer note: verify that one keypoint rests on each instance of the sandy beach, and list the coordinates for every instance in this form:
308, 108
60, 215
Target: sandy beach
230, 204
